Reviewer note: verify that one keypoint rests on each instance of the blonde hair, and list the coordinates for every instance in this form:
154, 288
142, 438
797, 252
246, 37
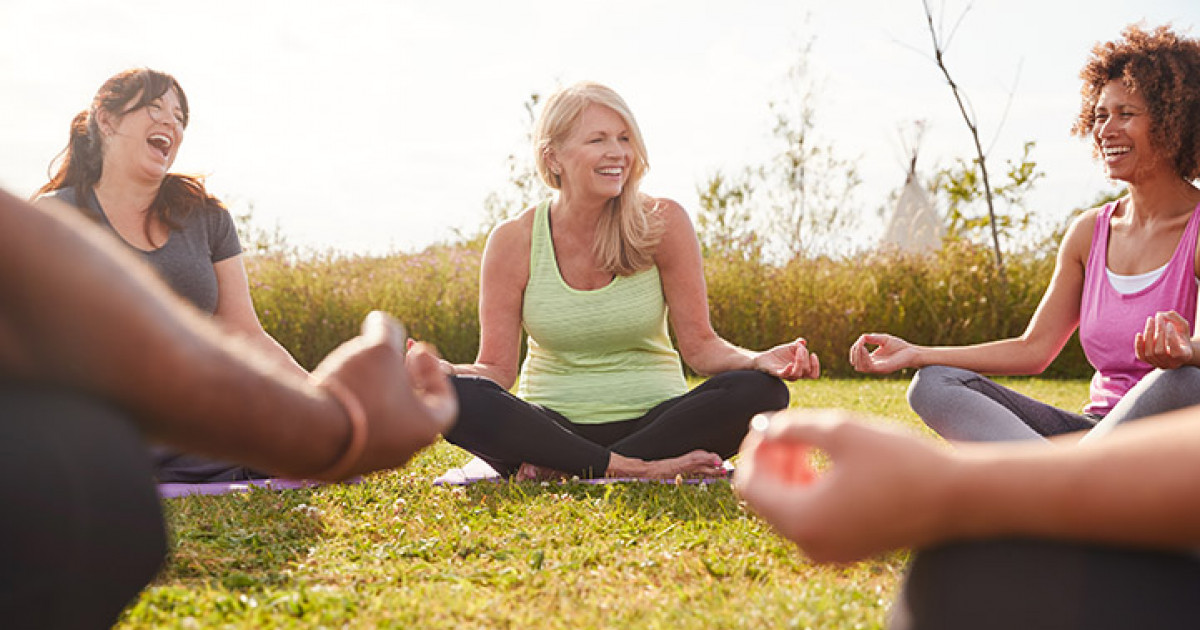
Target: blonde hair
630, 227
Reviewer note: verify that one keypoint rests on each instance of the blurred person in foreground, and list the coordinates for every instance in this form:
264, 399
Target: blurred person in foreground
1007, 535
96, 353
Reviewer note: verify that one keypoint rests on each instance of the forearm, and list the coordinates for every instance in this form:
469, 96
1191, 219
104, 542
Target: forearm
1005, 356
1135, 486
715, 355
279, 355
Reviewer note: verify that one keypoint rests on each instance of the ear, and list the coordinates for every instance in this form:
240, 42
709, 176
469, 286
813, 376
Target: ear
552, 162
105, 122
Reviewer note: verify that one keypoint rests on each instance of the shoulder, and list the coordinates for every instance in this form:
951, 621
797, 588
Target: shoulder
1077, 242
669, 211
678, 235
65, 195
57, 198
511, 239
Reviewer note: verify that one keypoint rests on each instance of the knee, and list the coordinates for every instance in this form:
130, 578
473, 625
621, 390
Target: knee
1182, 379
473, 391
756, 390
928, 387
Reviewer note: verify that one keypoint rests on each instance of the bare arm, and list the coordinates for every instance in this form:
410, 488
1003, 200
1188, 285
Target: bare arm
235, 312
682, 271
100, 322
1056, 318
503, 276
887, 490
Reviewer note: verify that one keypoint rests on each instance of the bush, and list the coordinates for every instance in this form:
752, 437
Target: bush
952, 297
313, 304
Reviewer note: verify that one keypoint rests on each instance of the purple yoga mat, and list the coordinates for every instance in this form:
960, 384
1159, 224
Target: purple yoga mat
174, 490
478, 470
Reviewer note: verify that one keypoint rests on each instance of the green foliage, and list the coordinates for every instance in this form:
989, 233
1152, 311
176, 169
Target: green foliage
953, 297
724, 226
961, 185
311, 305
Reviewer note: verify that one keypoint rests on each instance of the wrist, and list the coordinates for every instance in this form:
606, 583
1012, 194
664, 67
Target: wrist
355, 416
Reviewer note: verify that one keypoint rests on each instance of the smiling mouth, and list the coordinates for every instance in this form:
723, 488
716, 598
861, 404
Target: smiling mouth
613, 171
1114, 151
161, 142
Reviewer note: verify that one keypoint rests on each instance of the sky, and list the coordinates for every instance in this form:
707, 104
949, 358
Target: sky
372, 126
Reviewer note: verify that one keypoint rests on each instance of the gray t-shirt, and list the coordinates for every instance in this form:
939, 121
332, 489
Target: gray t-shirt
185, 262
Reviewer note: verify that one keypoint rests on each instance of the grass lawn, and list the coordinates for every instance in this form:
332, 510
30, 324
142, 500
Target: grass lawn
396, 552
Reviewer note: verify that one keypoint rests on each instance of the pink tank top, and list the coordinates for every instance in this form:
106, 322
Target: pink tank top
1108, 320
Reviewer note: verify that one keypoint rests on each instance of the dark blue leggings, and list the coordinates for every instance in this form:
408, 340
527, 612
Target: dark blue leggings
505, 431
1030, 584
81, 530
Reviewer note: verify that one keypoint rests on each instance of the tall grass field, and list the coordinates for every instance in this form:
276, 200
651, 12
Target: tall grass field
394, 551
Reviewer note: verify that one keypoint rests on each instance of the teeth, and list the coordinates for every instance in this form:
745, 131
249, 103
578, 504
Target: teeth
160, 140
610, 171
1115, 150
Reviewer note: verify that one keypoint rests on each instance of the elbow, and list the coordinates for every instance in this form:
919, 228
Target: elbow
697, 363
1037, 358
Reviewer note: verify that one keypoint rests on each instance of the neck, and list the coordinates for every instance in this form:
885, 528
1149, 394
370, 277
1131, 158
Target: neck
123, 194
1167, 195
575, 211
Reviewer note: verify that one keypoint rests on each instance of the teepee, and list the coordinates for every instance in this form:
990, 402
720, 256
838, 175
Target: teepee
914, 225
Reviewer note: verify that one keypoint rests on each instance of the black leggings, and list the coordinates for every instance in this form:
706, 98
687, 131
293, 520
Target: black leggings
81, 530
1030, 584
505, 431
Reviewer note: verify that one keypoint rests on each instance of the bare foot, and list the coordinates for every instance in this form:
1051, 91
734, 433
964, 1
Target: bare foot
530, 472
694, 464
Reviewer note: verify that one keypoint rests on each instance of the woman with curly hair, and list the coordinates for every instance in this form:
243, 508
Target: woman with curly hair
1126, 274
593, 276
116, 171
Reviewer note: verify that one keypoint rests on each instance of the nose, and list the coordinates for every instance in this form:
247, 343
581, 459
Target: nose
615, 147
166, 118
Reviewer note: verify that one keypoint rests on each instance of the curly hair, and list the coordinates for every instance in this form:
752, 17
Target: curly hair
1164, 69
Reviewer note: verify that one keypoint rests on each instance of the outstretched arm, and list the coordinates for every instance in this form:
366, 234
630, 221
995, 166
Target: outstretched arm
97, 320
886, 490
682, 271
1056, 318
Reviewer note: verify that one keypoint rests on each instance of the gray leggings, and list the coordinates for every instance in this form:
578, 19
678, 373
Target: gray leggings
962, 405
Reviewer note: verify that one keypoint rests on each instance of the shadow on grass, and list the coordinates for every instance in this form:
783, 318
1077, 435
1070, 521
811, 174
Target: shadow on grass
639, 500
242, 540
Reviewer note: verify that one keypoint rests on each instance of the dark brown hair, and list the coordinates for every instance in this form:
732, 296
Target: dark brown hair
81, 163
1164, 69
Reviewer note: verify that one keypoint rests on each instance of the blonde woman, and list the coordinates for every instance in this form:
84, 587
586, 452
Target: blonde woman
593, 276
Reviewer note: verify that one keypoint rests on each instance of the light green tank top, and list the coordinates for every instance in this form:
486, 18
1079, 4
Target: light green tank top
594, 356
